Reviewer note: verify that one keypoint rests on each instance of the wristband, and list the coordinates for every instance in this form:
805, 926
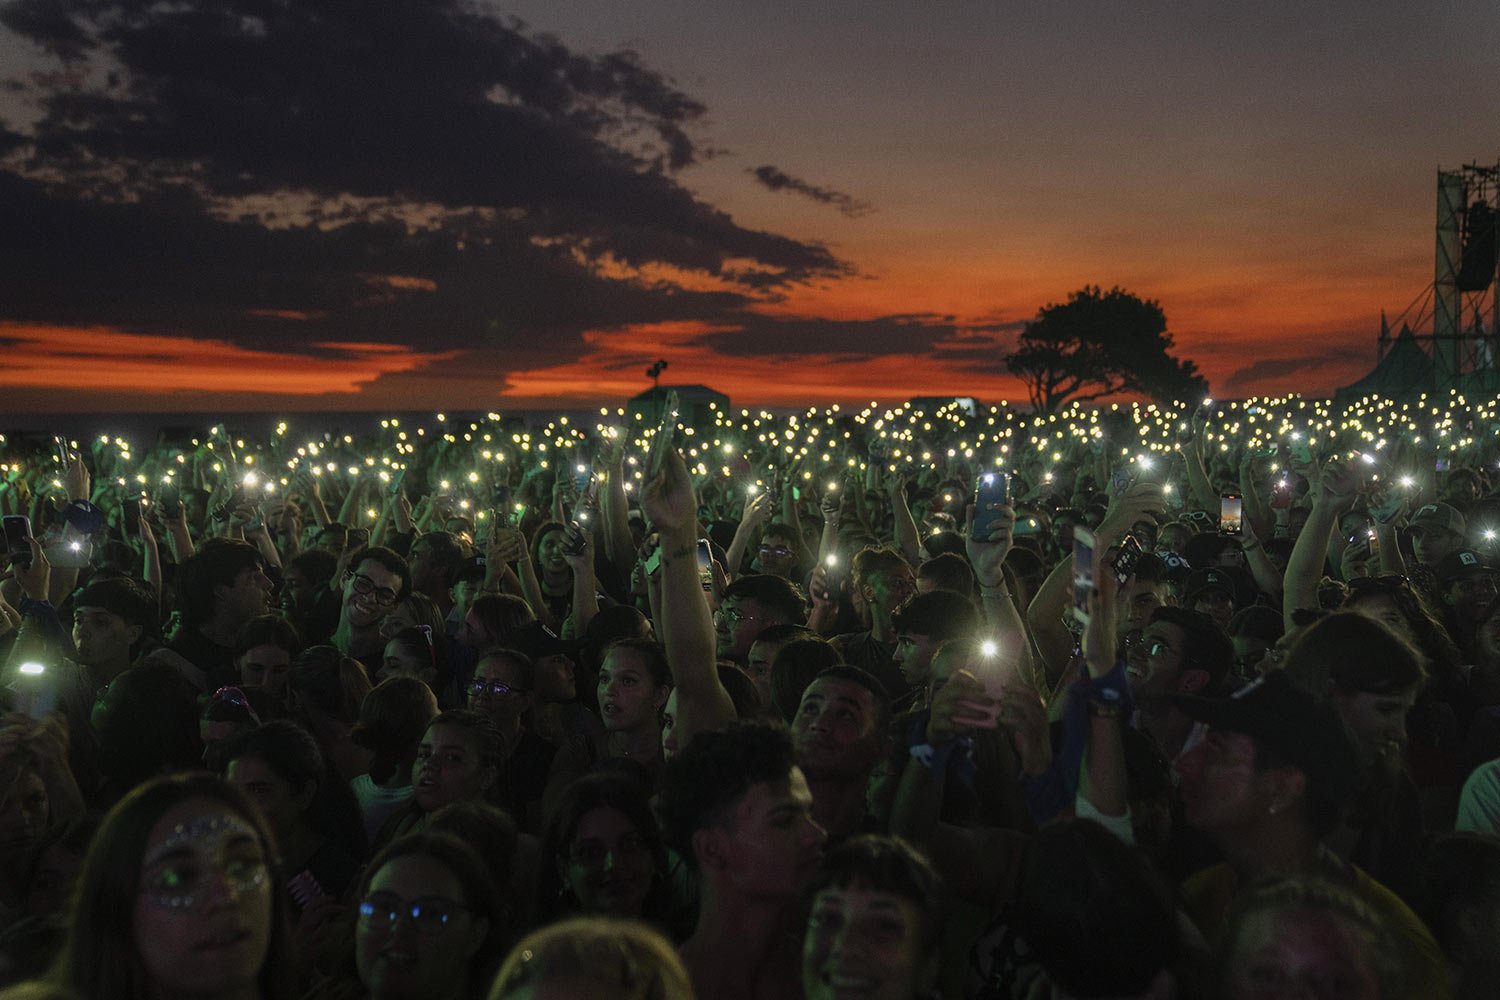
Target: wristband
29, 606
998, 590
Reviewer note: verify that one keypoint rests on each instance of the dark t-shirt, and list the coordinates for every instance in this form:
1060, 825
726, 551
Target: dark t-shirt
216, 661
524, 777
862, 649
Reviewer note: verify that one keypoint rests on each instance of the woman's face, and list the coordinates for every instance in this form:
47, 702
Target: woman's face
608, 867
399, 661
426, 950
266, 666
862, 941
550, 553
1299, 953
402, 616
1382, 608
448, 768
203, 915
1378, 721
24, 813
628, 700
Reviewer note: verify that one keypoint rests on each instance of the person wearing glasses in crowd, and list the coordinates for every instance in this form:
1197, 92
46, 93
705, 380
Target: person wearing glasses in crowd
428, 926
752, 604
502, 689
1179, 652
370, 590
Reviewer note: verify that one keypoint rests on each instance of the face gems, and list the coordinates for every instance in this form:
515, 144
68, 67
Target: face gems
181, 870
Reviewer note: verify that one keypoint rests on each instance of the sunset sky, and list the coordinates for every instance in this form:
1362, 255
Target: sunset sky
295, 204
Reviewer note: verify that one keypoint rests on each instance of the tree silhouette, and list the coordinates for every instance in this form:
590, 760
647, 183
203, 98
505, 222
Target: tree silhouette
1101, 344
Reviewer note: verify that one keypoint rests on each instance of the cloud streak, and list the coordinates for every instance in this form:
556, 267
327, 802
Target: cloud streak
777, 180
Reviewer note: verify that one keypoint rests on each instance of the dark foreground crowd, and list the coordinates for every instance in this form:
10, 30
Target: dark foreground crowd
1140, 704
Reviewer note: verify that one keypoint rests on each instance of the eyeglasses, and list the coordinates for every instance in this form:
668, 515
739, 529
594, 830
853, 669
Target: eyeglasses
430, 915
235, 696
775, 550
365, 587
480, 688
734, 615
1156, 646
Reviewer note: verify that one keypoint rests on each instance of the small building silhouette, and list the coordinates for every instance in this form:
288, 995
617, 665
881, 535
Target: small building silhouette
696, 404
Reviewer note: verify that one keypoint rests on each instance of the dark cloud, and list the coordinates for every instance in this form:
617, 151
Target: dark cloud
217, 168
777, 180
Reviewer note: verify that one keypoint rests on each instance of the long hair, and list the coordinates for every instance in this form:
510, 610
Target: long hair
99, 957
603, 790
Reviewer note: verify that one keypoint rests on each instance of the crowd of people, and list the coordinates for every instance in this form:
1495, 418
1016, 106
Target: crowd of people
1196, 700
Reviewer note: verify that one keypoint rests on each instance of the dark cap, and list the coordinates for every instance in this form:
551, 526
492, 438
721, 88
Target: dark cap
1460, 565
1438, 515
471, 569
1235, 583
1295, 727
83, 516
537, 640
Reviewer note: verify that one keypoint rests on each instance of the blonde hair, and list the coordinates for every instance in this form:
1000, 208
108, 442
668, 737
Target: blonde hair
610, 959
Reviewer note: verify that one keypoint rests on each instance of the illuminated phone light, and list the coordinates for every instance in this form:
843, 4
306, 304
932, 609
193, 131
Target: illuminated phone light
989, 648
32, 668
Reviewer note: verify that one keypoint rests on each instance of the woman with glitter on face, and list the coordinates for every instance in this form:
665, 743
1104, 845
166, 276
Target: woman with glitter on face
176, 898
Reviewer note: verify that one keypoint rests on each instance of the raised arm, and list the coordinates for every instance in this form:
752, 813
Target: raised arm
1334, 495
685, 626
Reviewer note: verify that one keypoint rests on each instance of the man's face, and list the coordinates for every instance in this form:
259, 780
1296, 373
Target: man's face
1136, 600
426, 574
463, 593
1221, 789
914, 656
1155, 663
1216, 604
1430, 543
505, 707
102, 637
737, 622
836, 730
1468, 596
758, 666
248, 596
862, 942
771, 845
370, 592
777, 556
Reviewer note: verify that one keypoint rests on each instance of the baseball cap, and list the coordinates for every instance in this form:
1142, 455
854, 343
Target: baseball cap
537, 640
1461, 564
1237, 585
1297, 728
1438, 515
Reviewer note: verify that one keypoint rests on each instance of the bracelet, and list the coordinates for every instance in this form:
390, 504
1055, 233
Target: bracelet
1105, 709
998, 590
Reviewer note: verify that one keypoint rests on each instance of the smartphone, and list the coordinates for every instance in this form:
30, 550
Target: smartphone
34, 692
1119, 481
1374, 538
1125, 559
1083, 573
169, 500
665, 432
397, 480
1440, 465
72, 552
1231, 514
992, 490
1301, 453
581, 479
17, 533
228, 507
64, 453
573, 538
705, 564
653, 561
356, 539
130, 507
1281, 495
